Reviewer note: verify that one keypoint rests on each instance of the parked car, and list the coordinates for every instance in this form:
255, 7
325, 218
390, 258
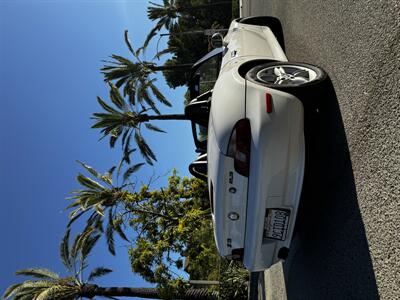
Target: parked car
253, 154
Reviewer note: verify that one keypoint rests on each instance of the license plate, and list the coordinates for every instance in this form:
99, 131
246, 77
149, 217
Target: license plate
276, 224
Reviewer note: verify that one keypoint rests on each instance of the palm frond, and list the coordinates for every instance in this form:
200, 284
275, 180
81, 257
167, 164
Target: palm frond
98, 225
132, 170
98, 272
28, 288
128, 43
111, 170
127, 134
143, 95
130, 90
156, 92
89, 183
54, 292
127, 150
64, 250
90, 169
144, 148
38, 273
99, 209
118, 229
152, 33
163, 52
107, 176
115, 134
79, 240
106, 107
116, 97
88, 244
10, 291
73, 217
110, 238
153, 128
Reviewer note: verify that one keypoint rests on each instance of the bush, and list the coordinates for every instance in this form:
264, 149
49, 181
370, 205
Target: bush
233, 280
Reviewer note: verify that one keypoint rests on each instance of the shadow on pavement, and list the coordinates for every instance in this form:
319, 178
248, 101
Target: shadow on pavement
329, 256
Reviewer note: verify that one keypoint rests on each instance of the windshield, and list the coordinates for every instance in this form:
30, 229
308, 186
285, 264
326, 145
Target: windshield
205, 73
208, 74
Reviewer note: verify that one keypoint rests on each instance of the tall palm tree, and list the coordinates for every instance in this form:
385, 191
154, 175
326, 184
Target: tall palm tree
125, 119
103, 200
135, 77
170, 10
48, 285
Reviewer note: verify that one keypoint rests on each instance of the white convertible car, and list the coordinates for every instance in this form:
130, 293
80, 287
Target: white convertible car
250, 136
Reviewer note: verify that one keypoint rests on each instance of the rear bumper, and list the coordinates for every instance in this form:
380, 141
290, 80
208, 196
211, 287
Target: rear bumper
276, 170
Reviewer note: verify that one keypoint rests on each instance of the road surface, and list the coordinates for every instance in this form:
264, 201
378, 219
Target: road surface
348, 235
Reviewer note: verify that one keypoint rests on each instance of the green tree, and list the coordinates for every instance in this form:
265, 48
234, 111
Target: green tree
190, 48
48, 285
164, 240
169, 220
167, 13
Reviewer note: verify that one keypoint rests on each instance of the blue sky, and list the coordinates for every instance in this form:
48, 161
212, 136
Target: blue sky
50, 55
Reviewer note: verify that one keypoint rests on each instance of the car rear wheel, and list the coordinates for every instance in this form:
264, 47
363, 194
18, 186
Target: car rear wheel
305, 81
286, 74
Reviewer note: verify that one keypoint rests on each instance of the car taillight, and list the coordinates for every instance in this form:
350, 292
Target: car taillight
239, 146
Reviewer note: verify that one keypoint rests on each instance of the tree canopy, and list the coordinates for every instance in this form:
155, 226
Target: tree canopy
191, 47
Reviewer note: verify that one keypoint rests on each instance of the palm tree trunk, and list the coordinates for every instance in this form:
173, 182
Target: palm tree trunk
208, 32
91, 290
203, 6
171, 67
146, 118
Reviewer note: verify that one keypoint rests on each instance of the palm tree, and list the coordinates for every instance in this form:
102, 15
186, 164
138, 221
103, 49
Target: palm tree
101, 197
135, 77
105, 201
48, 285
170, 10
125, 119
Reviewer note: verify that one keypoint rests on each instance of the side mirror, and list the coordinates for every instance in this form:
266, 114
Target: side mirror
217, 40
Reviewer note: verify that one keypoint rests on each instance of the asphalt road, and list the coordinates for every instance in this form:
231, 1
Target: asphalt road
348, 235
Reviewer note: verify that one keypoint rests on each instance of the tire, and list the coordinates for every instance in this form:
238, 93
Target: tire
308, 90
264, 74
273, 23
